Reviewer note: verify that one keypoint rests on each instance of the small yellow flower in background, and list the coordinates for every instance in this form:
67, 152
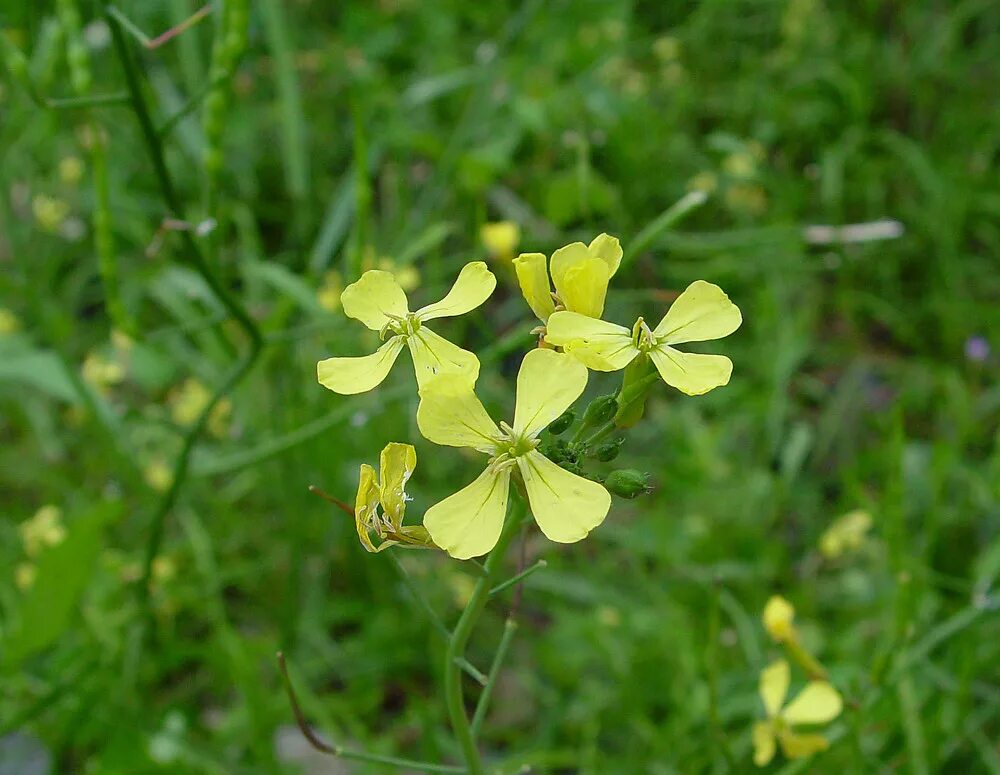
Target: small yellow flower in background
847, 534
122, 342
379, 302
565, 506
101, 371
667, 48
50, 213
158, 475
380, 504
44, 529
9, 322
778, 617
164, 569
701, 313
25, 575
189, 400
329, 291
407, 275
741, 165
71, 169
501, 238
706, 182
580, 274
817, 703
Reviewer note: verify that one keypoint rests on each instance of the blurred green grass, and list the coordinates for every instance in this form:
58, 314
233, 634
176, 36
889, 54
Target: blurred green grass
398, 129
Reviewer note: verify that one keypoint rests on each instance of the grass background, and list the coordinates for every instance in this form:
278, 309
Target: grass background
397, 129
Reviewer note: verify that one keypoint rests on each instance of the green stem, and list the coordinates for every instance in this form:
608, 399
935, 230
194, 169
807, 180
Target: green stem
662, 222
460, 637
603, 432
519, 577
509, 628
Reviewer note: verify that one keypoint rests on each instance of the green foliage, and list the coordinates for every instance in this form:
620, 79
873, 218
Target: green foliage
338, 138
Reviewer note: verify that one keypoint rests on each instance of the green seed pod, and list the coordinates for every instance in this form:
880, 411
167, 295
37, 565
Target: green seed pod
627, 483
609, 450
600, 410
562, 422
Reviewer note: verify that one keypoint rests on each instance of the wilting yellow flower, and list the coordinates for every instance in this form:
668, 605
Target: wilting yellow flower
42, 530
778, 617
158, 475
381, 502
703, 312
565, 506
24, 575
378, 302
71, 169
580, 274
817, 703
49, 212
102, 372
846, 534
189, 400
501, 238
329, 292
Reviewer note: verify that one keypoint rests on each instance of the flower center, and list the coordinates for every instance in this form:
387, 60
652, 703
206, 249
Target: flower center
512, 445
401, 326
642, 336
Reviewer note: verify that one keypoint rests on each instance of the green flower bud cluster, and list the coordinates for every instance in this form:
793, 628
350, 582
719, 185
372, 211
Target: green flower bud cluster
77, 57
228, 46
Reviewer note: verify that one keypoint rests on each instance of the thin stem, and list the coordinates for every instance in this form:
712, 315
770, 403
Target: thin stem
335, 750
90, 101
603, 432
509, 628
662, 222
460, 637
517, 578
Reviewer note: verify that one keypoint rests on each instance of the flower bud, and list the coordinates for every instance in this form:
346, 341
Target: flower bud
627, 483
609, 450
562, 422
600, 410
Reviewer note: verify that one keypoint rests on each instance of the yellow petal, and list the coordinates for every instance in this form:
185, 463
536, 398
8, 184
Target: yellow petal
773, 686
702, 312
778, 617
450, 414
817, 703
599, 345
691, 373
584, 286
763, 743
435, 356
474, 285
547, 385
468, 523
365, 505
501, 238
608, 248
797, 746
348, 376
533, 277
396, 465
565, 506
373, 299
565, 259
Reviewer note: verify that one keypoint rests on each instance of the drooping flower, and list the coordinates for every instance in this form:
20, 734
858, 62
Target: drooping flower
701, 313
378, 302
846, 534
565, 506
381, 501
580, 275
817, 703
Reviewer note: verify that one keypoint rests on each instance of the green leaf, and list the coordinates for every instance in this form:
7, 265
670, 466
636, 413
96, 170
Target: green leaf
41, 370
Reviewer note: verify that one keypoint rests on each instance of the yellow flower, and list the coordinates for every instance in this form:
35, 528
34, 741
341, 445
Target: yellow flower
501, 238
102, 372
189, 400
329, 292
24, 576
71, 169
42, 530
705, 181
778, 617
9, 322
565, 506
817, 703
381, 504
378, 302
580, 274
49, 212
845, 535
703, 312
158, 475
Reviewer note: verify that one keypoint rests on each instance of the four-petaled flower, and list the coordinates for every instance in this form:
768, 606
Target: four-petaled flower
378, 302
817, 703
580, 274
702, 312
565, 506
381, 501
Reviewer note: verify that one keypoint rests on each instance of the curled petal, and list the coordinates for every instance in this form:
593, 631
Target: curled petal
691, 373
798, 746
817, 703
773, 686
396, 465
599, 345
375, 299
435, 356
701, 313
763, 743
584, 286
564, 259
349, 376
365, 505
533, 277
450, 414
547, 385
609, 249
468, 523
474, 285
565, 506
